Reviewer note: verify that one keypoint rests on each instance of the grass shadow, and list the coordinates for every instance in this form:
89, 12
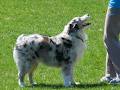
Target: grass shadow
91, 85
59, 86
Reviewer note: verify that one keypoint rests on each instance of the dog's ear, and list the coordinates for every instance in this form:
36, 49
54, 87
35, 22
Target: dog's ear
73, 28
70, 26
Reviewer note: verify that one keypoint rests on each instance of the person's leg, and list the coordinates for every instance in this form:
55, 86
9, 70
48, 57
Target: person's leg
111, 36
109, 67
108, 31
110, 72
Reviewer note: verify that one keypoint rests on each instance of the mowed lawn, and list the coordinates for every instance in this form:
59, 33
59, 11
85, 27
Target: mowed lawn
48, 17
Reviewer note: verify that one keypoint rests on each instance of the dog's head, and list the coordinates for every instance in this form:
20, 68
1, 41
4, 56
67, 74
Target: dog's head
77, 25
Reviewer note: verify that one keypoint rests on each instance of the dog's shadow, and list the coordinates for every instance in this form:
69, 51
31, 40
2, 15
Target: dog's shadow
85, 85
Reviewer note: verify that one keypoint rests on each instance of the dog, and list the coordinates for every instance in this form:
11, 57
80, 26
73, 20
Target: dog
61, 51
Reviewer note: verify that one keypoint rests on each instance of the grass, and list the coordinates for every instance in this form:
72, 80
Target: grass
49, 17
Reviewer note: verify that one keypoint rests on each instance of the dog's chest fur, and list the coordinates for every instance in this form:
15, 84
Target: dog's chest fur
53, 51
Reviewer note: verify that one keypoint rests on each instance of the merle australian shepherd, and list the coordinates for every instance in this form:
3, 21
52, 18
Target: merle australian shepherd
61, 50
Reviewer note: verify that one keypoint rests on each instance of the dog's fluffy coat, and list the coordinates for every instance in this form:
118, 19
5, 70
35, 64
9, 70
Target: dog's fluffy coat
60, 51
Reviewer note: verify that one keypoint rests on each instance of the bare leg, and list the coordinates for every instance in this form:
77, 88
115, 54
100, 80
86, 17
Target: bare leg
111, 39
109, 68
111, 36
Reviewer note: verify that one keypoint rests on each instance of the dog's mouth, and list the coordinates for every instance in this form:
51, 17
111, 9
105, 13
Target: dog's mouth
84, 20
86, 24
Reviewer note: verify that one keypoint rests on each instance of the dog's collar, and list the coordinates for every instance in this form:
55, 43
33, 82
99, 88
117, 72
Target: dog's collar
79, 38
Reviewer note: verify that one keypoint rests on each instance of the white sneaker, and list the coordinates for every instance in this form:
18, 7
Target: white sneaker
115, 81
106, 79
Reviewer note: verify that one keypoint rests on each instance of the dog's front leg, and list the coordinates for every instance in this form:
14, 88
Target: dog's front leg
67, 71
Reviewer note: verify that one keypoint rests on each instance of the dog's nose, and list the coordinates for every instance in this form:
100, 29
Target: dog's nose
87, 14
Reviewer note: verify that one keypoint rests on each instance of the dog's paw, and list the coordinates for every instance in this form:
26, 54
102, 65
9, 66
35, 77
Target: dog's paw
34, 83
75, 83
22, 84
67, 84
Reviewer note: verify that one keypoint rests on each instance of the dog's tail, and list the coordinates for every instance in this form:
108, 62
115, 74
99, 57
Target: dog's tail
20, 37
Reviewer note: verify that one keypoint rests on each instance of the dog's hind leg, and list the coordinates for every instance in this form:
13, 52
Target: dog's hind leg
30, 74
21, 75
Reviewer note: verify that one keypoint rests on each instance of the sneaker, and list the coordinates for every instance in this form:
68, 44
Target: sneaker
115, 81
106, 79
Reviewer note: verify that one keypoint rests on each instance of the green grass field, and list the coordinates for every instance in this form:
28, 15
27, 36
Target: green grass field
48, 17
